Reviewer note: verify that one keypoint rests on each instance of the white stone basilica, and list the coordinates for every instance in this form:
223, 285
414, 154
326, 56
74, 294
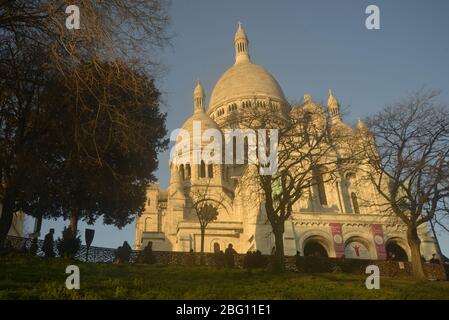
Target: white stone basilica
330, 222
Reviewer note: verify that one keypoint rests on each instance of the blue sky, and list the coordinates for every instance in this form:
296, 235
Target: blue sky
309, 47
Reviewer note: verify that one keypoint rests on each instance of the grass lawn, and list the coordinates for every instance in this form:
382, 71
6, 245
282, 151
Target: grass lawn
38, 278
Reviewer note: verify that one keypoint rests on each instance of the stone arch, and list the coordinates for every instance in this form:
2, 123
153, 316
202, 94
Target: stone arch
396, 245
320, 238
223, 204
213, 245
148, 226
363, 248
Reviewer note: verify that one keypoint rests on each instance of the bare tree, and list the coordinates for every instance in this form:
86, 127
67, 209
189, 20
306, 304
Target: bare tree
410, 165
306, 158
206, 210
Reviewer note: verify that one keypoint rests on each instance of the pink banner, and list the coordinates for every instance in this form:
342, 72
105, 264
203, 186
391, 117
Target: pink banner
337, 236
378, 236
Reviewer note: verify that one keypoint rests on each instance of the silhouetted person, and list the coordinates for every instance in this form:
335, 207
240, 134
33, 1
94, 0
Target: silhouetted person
248, 261
434, 259
298, 259
48, 246
229, 256
148, 253
125, 253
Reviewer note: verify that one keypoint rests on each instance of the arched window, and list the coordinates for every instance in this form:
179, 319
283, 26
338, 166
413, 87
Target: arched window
234, 150
210, 170
202, 170
181, 171
355, 203
189, 170
216, 247
245, 150
318, 177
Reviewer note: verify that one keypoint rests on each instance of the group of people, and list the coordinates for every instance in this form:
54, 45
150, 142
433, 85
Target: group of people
47, 247
225, 258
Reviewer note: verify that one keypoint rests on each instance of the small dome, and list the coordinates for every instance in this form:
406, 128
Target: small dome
244, 80
309, 106
342, 130
206, 122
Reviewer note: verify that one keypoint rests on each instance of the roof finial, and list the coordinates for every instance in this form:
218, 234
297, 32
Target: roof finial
333, 108
360, 124
241, 44
332, 101
198, 97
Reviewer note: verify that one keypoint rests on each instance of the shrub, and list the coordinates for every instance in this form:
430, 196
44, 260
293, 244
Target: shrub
69, 245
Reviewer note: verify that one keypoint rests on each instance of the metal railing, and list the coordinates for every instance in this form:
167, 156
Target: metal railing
94, 254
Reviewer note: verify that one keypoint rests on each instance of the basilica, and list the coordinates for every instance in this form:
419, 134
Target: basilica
330, 222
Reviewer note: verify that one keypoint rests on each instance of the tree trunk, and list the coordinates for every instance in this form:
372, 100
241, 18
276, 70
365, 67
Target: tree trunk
414, 242
203, 231
38, 226
74, 216
279, 265
6, 220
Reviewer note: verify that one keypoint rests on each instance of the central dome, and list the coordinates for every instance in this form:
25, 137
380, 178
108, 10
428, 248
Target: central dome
244, 80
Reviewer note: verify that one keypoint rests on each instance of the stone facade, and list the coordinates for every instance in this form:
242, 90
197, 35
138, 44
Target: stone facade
331, 221
392, 269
